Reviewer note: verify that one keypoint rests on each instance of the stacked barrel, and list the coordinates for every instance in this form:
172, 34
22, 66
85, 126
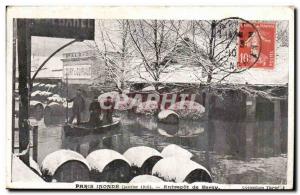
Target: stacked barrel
137, 165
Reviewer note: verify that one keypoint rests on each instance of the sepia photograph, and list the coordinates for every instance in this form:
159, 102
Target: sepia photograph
137, 98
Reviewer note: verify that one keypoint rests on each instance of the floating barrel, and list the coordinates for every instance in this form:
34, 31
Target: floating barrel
168, 116
146, 179
142, 159
36, 109
174, 150
65, 166
108, 166
176, 169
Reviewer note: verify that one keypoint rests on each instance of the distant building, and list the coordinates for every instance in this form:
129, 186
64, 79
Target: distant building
83, 68
50, 73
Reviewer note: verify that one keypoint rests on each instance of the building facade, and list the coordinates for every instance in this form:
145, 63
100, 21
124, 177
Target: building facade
83, 68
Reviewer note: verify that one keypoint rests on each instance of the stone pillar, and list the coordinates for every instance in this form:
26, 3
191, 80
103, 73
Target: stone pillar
24, 65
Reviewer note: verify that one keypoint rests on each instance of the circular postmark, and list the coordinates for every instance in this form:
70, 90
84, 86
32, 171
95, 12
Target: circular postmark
237, 44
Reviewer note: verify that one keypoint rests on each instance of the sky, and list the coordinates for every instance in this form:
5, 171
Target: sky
45, 46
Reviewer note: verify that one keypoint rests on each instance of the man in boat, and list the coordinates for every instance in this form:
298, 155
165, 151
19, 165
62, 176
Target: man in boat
78, 106
95, 111
108, 110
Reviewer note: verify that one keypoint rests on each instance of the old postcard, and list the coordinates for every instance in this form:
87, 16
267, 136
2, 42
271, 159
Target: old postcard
151, 98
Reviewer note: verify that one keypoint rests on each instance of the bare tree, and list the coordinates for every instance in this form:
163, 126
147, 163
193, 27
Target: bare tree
155, 43
117, 50
213, 47
282, 33
149, 48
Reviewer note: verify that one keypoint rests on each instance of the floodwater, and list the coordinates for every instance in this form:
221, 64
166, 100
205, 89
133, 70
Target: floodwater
231, 151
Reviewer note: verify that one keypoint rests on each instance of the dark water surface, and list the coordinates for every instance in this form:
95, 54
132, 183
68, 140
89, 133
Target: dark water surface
231, 151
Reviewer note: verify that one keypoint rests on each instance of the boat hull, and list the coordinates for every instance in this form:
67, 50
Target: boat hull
84, 128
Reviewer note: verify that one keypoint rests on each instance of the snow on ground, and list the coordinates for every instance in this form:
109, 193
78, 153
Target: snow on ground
175, 168
138, 155
150, 88
147, 108
50, 70
179, 73
21, 173
188, 109
174, 150
277, 75
182, 74
146, 179
55, 159
100, 158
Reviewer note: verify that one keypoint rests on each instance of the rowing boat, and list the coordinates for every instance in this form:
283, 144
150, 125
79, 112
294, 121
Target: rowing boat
86, 128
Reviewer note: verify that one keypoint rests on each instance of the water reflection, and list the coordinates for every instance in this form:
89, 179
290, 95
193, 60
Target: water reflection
234, 151
183, 129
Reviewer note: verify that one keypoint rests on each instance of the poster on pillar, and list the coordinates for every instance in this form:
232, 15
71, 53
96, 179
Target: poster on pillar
144, 98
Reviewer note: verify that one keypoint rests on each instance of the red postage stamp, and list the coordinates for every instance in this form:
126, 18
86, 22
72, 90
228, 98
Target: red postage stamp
257, 45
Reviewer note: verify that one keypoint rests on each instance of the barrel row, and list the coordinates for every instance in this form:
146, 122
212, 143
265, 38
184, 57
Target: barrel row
137, 165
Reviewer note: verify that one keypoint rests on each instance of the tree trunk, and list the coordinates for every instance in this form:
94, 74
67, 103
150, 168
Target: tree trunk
277, 127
